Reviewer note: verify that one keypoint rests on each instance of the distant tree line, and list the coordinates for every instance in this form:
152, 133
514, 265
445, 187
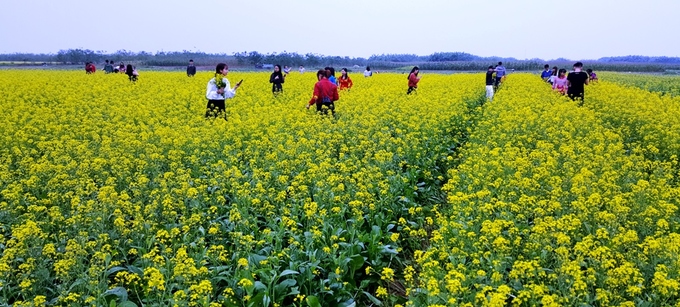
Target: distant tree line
253, 59
640, 59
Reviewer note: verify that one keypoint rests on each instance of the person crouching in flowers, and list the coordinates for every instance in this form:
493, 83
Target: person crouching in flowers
560, 83
345, 81
325, 93
218, 90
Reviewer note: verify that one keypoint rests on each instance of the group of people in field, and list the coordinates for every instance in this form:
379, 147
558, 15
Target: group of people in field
324, 96
110, 67
494, 76
326, 89
571, 84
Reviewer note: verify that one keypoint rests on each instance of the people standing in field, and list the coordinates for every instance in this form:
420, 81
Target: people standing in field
592, 76
325, 93
413, 80
560, 83
576, 82
191, 69
553, 75
121, 68
345, 81
286, 70
545, 75
301, 69
367, 72
500, 73
490, 81
277, 79
108, 68
218, 90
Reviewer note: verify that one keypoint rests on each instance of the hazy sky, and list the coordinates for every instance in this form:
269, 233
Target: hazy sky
547, 29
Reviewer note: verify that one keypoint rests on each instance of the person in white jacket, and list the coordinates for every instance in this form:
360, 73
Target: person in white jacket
218, 90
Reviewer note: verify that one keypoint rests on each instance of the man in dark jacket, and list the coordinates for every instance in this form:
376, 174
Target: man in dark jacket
191, 69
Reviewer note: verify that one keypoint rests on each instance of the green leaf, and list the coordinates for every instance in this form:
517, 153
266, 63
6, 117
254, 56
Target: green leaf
127, 304
119, 292
260, 286
258, 300
288, 272
313, 301
348, 303
389, 250
357, 262
285, 284
373, 299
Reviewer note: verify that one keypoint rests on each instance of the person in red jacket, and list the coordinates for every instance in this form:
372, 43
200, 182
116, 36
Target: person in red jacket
325, 93
345, 81
413, 80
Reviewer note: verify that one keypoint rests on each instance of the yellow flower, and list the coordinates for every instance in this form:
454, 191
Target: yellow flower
381, 292
387, 274
243, 262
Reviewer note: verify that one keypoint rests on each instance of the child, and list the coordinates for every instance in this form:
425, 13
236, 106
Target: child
560, 83
591, 75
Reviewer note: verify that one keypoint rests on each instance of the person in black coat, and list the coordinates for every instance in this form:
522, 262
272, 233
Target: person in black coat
277, 79
191, 69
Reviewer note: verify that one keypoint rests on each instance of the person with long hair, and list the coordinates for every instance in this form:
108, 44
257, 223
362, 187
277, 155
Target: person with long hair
345, 81
277, 79
130, 72
560, 83
413, 80
325, 93
218, 90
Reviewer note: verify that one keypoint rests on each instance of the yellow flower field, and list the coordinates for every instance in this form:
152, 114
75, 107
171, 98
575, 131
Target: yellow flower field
121, 194
119, 191
553, 206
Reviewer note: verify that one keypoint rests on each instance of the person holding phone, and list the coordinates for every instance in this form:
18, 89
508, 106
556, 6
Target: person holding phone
277, 79
413, 80
218, 90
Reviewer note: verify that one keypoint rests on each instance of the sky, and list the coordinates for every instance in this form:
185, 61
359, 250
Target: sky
524, 29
